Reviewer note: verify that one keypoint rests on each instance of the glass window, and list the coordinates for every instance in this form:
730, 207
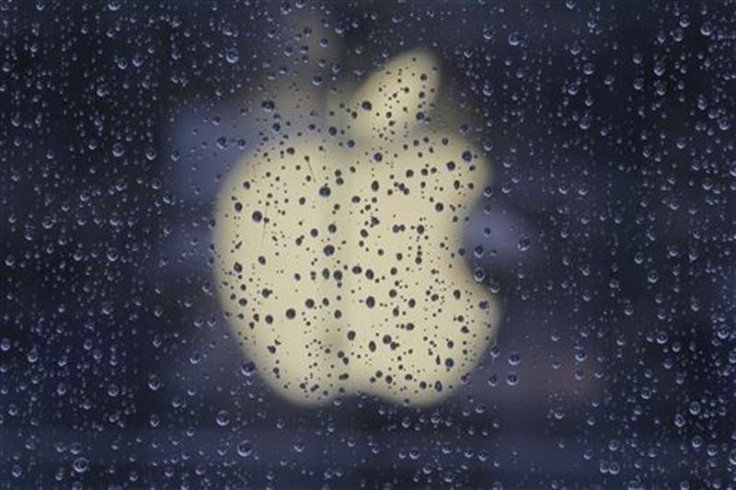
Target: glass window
347, 244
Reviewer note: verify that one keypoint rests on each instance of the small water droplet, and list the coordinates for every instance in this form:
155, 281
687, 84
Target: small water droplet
232, 55
248, 369
245, 448
524, 243
81, 465
222, 418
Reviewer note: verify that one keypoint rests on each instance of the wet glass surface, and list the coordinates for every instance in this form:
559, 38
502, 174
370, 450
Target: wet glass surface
591, 246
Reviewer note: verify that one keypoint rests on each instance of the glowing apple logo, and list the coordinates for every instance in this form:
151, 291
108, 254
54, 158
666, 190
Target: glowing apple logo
339, 248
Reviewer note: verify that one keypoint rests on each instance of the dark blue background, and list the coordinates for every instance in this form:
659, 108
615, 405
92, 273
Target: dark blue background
611, 222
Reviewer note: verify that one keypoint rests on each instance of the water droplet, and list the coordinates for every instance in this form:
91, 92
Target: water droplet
524, 243
222, 418
154, 382
514, 359
113, 390
245, 448
248, 369
118, 149
232, 55
81, 465
694, 408
514, 39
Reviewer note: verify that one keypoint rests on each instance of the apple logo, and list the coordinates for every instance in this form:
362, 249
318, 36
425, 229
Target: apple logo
339, 247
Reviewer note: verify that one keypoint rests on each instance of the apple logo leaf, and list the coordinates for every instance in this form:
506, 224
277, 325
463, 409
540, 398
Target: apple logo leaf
340, 261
